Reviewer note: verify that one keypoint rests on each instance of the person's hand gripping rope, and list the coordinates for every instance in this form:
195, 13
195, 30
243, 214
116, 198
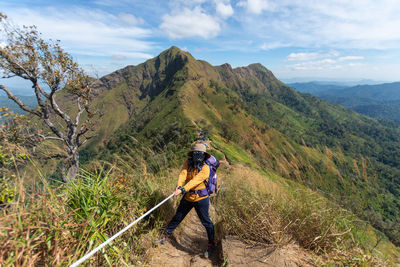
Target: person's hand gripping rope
179, 190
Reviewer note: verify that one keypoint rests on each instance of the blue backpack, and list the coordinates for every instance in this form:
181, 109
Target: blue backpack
211, 184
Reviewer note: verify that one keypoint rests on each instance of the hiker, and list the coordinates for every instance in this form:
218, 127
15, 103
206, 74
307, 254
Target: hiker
191, 184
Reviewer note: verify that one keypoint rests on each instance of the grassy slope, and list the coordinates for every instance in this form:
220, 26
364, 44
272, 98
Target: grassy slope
307, 120
352, 182
194, 94
253, 119
266, 207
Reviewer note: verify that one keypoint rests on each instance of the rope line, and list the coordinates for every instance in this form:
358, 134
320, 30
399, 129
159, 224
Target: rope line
88, 255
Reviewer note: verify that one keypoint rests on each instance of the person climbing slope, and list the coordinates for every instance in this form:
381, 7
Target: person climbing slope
192, 181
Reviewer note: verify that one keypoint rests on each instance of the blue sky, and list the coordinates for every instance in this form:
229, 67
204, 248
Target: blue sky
336, 40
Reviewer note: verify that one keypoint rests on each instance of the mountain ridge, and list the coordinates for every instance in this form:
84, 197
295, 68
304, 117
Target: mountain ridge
290, 161
253, 118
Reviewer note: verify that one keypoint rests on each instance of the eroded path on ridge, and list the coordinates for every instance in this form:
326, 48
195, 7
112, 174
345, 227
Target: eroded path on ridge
186, 247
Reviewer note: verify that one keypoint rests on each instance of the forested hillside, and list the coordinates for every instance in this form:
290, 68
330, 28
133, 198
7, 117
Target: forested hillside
380, 101
254, 118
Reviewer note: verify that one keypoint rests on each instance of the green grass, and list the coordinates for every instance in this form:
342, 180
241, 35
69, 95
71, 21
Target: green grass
233, 152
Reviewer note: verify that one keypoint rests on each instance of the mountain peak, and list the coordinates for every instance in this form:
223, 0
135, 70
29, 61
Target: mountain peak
258, 67
175, 51
174, 48
226, 66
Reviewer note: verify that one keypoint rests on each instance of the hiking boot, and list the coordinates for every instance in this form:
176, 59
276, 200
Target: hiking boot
210, 250
163, 239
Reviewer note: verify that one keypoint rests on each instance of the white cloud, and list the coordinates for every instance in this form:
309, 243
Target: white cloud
130, 19
315, 61
333, 53
360, 24
180, 4
196, 18
118, 57
321, 61
257, 6
316, 65
273, 45
224, 10
90, 32
356, 64
190, 23
104, 2
327, 61
351, 58
305, 56
302, 56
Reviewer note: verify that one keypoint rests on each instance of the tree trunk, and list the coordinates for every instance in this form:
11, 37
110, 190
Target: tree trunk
73, 163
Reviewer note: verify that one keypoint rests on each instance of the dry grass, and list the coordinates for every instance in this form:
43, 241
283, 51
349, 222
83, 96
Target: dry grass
255, 208
47, 225
54, 226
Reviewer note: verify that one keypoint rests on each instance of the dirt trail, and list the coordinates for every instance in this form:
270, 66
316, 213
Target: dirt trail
237, 253
186, 247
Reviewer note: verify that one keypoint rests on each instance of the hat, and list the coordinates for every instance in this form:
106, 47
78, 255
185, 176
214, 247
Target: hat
199, 147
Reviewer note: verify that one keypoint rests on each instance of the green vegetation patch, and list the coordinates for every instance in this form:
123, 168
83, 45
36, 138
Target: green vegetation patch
233, 152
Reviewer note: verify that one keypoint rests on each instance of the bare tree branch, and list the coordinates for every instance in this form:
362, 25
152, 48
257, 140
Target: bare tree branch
80, 111
87, 138
50, 137
19, 102
8, 76
53, 128
58, 111
39, 97
42, 91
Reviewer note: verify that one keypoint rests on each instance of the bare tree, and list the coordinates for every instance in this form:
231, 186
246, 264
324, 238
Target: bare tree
24, 54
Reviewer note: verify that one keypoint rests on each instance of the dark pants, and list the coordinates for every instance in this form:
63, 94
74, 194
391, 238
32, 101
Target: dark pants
201, 208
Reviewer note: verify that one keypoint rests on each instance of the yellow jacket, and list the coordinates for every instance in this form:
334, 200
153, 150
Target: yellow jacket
193, 180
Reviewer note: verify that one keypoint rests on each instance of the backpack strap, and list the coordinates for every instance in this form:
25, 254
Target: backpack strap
202, 192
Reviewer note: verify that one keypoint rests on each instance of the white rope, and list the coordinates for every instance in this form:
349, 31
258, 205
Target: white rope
88, 255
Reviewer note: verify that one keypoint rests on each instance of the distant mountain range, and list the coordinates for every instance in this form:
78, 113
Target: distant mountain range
315, 88
329, 81
379, 101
